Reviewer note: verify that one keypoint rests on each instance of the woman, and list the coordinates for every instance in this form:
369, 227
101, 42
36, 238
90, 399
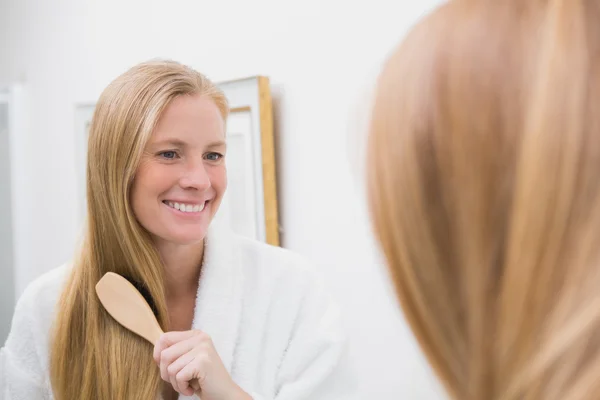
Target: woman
485, 194
248, 320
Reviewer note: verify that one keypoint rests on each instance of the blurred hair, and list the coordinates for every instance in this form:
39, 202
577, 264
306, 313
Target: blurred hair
484, 191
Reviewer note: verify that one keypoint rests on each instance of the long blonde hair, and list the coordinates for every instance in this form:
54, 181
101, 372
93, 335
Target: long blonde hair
92, 356
484, 191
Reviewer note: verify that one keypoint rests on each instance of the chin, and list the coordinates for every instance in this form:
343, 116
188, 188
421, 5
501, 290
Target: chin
188, 238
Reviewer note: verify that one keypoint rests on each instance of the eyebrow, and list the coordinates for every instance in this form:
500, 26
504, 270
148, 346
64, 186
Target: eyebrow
170, 142
218, 143
180, 143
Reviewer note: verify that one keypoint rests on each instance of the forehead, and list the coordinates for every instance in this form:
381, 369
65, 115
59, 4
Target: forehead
190, 118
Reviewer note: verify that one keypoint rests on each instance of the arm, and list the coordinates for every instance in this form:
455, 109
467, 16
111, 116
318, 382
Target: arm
21, 375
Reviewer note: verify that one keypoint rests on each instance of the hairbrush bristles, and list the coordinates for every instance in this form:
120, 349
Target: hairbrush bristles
145, 293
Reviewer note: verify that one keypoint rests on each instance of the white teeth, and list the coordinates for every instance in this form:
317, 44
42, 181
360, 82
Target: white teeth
186, 207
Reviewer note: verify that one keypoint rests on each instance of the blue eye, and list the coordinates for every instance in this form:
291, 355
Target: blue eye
169, 155
214, 156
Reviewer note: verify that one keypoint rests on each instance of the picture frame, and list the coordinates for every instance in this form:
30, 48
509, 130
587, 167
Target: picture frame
249, 206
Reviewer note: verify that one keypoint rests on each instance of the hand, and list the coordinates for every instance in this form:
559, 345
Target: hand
189, 362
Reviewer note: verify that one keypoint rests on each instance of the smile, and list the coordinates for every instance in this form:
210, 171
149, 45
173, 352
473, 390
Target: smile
190, 208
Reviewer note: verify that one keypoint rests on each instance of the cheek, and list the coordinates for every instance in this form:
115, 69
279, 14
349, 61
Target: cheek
154, 177
139, 191
150, 181
218, 179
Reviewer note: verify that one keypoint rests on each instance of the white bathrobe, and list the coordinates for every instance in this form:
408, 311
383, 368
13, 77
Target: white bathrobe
271, 320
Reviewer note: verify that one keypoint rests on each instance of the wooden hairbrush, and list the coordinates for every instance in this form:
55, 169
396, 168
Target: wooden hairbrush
124, 302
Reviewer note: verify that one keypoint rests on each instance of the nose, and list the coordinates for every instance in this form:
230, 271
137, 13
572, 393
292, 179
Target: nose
195, 177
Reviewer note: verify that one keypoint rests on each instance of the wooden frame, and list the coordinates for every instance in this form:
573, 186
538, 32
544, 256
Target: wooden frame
250, 101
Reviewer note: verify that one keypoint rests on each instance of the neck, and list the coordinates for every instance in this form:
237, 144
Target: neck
182, 268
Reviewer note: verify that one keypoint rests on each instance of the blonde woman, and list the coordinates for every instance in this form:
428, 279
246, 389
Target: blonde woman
485, 194
248, 320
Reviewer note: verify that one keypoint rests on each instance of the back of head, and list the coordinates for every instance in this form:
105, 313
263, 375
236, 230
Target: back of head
484, 189
92, 356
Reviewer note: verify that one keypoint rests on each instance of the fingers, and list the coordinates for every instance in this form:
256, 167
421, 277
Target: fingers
195, 385
173, 353
181, 357
168, 339
173, 370
193, 372
178, 336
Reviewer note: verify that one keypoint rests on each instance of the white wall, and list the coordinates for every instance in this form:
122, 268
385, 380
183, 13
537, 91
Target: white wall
320, 55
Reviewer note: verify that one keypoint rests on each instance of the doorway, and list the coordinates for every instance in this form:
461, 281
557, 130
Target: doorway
7, 272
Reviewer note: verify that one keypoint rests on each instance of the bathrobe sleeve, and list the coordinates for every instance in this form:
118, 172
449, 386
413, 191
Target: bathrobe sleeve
316, 365
21, 374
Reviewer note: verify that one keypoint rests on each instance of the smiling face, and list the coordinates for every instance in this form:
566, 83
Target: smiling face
181, 179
